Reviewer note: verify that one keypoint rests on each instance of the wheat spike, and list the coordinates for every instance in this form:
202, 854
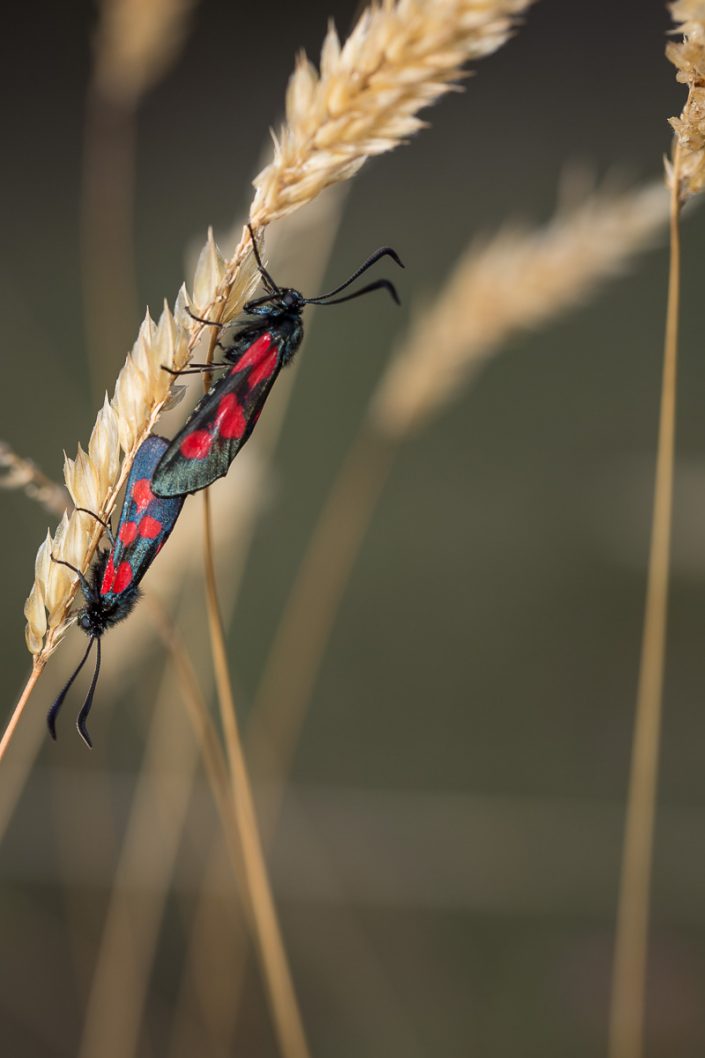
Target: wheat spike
399, 58
516, 280
689, 59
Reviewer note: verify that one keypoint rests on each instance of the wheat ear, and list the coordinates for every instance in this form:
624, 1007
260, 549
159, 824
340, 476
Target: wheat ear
399, 58
94, 477
514, 281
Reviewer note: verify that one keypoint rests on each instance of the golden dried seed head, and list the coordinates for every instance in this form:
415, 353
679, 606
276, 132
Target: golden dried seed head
688, 56
43, 561
210, 269
104, 446
399, 58
514, 281
59, 578
35, 615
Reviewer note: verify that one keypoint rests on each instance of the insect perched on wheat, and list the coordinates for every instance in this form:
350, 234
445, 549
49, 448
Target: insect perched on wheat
399, 58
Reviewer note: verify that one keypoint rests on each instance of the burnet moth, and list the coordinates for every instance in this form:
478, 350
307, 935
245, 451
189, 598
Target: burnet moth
112, 586
226, 415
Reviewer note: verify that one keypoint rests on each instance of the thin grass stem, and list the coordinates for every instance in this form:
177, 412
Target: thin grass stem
37, 669
626, 1030
200, 717
270, 946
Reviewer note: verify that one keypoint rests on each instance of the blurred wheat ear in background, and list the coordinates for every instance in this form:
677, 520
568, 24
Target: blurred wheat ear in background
518, 279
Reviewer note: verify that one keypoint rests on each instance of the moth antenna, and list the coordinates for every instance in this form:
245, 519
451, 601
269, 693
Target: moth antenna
106, 525
54, 711
379, 284
83, 715
384, 251
85, 586
268, 281
202, 319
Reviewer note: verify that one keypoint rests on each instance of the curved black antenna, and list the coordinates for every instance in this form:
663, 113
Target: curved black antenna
83, 715
384, 251
87, 590
53, 712
202, 319
379, 284
268, 281
106, 525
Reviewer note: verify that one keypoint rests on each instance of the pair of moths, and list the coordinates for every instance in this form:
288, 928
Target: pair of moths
165, 472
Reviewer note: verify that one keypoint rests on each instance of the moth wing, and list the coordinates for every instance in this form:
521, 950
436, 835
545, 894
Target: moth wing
220, 424
145, 522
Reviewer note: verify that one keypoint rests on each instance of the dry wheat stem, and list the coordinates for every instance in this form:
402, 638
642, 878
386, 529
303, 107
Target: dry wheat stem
19, 473
277, 975
113, 1027
200, 717
688, 57
686, 176
37, 668
626, 1038
320, 222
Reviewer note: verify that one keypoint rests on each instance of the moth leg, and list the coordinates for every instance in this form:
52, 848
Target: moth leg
195, 369
85, 586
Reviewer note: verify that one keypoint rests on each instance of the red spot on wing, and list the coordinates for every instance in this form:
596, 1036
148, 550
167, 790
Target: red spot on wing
123, 577
230, 419
254, 355
128, 532
108, 577
196, 445
150, 528
142, 493
263, 370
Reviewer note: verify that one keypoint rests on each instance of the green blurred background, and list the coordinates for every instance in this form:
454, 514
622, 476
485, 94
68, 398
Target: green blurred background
446, 866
